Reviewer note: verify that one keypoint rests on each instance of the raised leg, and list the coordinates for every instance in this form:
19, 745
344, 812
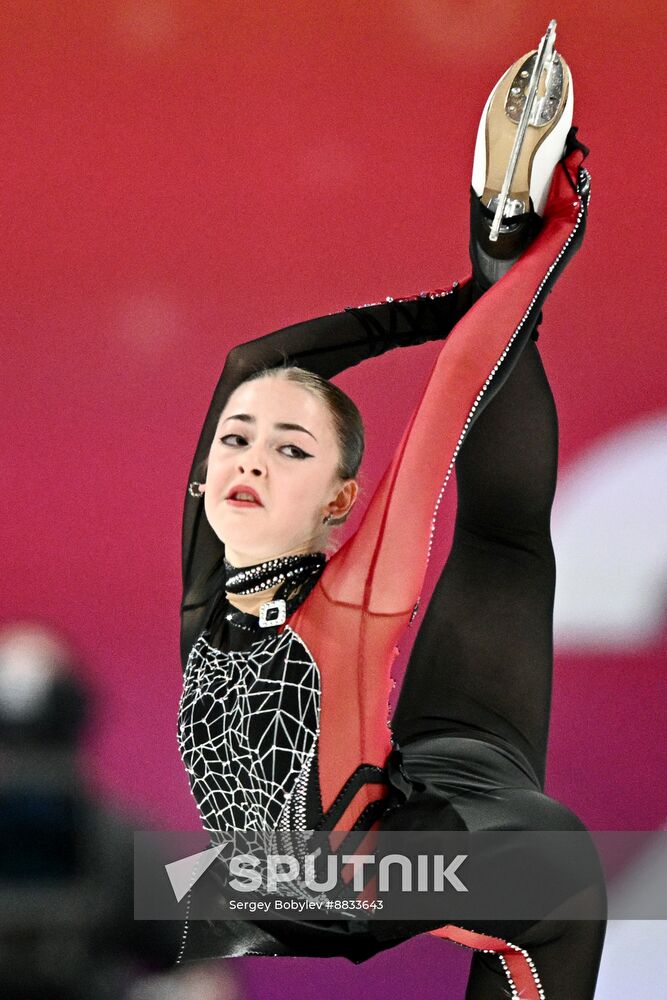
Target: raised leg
481, 667
482, 660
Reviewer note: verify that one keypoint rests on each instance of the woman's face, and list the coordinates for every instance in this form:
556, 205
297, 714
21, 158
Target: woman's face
277, 438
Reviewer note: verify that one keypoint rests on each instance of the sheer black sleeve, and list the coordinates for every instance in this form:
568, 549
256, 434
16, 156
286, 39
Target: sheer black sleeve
326, 345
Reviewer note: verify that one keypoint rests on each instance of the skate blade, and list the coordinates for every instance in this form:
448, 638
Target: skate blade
526, 107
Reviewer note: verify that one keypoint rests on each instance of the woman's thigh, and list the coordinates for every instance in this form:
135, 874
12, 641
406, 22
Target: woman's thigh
482, 659
453, 784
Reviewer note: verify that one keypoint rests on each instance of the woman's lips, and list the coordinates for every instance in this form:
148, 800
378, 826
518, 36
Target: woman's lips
244, 503
244, 495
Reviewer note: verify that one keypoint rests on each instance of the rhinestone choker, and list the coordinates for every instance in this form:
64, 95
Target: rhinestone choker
263, 576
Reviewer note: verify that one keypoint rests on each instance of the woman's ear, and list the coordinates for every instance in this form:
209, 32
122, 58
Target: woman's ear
345, 500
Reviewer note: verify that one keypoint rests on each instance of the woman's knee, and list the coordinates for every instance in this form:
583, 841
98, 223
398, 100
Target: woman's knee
572, 871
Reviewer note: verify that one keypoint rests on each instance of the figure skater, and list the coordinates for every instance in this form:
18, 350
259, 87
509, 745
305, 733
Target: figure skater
287, 653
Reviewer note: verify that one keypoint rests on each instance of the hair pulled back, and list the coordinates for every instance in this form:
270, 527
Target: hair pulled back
347, 420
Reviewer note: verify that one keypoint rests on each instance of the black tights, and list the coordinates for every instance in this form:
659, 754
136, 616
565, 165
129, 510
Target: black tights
481, 665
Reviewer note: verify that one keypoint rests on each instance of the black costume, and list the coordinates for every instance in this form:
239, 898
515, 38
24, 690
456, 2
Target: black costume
467, 744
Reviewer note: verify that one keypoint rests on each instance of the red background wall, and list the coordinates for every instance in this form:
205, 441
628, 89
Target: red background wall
178, 177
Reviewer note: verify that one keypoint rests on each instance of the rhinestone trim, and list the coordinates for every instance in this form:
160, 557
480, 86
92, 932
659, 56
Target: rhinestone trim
516, 994
256, 576
186, 923
437, 293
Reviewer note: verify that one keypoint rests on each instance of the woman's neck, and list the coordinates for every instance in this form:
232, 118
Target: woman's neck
251, 603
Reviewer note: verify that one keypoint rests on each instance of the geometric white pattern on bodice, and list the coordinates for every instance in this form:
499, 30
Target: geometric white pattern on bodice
248, 723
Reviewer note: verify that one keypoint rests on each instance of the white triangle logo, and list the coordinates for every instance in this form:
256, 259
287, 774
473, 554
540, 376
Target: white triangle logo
184, 873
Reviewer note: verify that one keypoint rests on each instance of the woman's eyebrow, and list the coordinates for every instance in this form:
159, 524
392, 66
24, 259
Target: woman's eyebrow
248, 419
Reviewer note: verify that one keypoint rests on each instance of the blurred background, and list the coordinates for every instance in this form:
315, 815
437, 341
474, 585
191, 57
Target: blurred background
181, 176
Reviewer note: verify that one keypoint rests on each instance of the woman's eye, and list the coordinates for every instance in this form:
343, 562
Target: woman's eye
226, 439
297, 452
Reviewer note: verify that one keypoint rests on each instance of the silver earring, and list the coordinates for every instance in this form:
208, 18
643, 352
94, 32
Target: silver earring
194, 491
328, 518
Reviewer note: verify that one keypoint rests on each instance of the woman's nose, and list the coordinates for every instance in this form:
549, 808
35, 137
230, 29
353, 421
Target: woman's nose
252, 462
253, 468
